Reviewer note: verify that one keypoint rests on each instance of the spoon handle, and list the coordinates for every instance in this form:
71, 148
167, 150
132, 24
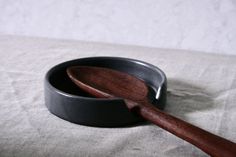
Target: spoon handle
213, 145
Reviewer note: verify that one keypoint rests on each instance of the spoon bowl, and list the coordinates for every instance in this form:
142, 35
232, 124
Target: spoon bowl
118, 85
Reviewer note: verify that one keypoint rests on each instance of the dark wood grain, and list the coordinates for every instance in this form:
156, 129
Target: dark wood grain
107, 83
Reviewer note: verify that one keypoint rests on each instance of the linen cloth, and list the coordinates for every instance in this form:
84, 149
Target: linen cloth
201, 90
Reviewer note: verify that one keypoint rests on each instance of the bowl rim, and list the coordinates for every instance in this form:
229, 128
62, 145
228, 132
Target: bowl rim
143, 63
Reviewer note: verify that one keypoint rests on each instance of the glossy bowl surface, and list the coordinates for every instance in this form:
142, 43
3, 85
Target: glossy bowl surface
65, 100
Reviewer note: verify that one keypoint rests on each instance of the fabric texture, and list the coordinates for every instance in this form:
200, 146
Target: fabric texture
201, 90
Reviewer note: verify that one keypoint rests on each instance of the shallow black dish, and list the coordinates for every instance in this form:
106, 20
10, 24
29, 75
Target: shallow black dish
67, 101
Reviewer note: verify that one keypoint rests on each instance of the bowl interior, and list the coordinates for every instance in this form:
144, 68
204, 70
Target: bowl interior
150, 74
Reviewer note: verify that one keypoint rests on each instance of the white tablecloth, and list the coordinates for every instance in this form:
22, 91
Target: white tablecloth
201, 90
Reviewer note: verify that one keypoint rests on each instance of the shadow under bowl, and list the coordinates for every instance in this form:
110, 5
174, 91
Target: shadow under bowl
65, 100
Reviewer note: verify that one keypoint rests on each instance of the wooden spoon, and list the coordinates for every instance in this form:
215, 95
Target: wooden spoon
107, 83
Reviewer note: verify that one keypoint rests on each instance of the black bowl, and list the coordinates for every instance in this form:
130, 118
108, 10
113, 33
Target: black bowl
65, 100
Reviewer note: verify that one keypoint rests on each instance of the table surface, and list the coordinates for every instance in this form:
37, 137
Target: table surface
201, 90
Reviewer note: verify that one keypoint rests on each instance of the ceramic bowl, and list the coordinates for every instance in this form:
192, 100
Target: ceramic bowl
65, 100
